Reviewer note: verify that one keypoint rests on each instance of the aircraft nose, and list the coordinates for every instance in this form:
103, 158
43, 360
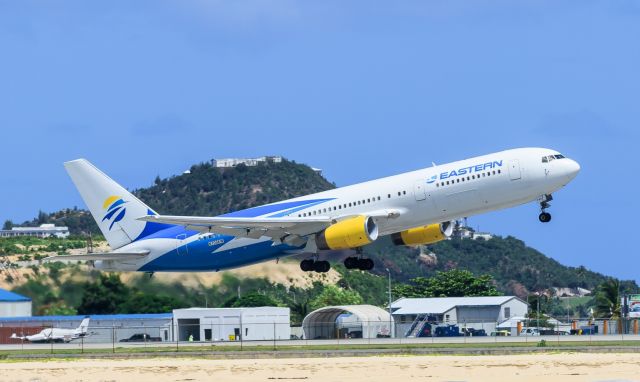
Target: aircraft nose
572, 168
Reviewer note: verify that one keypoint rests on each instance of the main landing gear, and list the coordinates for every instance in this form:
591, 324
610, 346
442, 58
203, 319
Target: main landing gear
311, 265
363, 264
352, 262
544, 216
359, 262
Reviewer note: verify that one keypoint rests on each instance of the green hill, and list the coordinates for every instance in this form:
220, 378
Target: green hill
209, 191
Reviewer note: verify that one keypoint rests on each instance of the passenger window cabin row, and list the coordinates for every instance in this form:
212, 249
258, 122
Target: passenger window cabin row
347, 205
468, 178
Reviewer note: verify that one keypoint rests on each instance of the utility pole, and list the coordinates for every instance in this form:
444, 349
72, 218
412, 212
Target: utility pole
206, 301
538, 318
391, 334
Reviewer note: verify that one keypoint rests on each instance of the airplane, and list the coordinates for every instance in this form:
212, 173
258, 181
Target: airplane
57, 334
414, 208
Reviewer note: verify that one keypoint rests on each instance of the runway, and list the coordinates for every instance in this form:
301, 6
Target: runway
523, 368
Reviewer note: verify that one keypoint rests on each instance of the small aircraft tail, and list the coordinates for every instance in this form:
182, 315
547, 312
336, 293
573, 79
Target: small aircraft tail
84, 325
114, 208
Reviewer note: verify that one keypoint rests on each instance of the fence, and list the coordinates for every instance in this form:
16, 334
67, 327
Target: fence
174, 336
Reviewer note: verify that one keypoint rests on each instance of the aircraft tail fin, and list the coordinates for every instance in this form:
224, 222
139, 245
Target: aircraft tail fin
84, 326
114, 208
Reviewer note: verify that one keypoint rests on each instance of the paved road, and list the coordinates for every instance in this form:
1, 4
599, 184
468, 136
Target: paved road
551, 340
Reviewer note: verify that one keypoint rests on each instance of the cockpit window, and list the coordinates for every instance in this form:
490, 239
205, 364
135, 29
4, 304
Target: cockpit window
549, 158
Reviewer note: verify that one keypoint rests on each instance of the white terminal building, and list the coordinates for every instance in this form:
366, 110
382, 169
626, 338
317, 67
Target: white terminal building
45, 230
232, 324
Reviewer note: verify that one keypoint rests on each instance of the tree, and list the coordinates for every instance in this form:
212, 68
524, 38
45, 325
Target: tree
452, 283
56, 309
103, 296
8, 224
42, 217
250, 300
333, 295
607, 300
150, 303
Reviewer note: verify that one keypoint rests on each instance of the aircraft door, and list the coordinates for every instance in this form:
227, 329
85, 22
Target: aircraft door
181, 248
419, 191
514, 169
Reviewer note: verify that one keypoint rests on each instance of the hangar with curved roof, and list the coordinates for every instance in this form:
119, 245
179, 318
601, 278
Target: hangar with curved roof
347, 321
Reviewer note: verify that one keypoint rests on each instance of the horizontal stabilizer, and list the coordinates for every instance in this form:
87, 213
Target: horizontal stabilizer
99, 256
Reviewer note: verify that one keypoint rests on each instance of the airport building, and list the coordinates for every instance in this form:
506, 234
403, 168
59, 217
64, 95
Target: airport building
45, 230
347, 321
232, 324
420, 317
14, 305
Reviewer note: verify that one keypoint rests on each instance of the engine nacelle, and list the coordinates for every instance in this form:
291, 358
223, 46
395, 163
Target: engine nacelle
427, 234
349, 233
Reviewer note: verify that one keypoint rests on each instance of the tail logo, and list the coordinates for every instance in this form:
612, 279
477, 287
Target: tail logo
115, 210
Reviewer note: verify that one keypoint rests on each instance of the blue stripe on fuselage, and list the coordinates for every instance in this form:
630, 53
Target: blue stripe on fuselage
273, 208
170, 232
199, 256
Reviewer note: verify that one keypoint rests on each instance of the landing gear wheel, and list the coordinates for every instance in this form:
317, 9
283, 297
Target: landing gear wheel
365, 264
351, 262
307, 265
544, 217
321, 266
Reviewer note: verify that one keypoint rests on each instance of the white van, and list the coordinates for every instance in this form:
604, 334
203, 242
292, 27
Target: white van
529, 332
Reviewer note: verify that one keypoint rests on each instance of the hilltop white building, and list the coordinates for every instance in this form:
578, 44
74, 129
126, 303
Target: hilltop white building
45, 230
232, 162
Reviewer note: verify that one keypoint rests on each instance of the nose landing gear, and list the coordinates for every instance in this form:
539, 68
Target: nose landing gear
544, 216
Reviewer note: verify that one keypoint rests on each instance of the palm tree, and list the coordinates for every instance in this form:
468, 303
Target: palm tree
608, 299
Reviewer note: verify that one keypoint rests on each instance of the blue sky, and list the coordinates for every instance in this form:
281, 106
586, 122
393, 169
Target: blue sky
361, 89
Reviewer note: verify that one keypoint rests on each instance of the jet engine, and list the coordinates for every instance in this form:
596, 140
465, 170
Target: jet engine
427, 234
349, 233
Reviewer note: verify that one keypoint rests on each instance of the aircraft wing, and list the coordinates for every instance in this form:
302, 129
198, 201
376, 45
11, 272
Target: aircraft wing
99, 256
247, 227
257, 227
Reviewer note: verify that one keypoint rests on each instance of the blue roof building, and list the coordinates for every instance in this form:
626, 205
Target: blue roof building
13, 304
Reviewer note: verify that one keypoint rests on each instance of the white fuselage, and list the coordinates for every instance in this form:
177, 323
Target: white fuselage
431, 195
486, 183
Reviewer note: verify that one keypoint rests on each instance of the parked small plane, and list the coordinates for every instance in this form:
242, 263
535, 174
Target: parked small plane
57, 334
418, 207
